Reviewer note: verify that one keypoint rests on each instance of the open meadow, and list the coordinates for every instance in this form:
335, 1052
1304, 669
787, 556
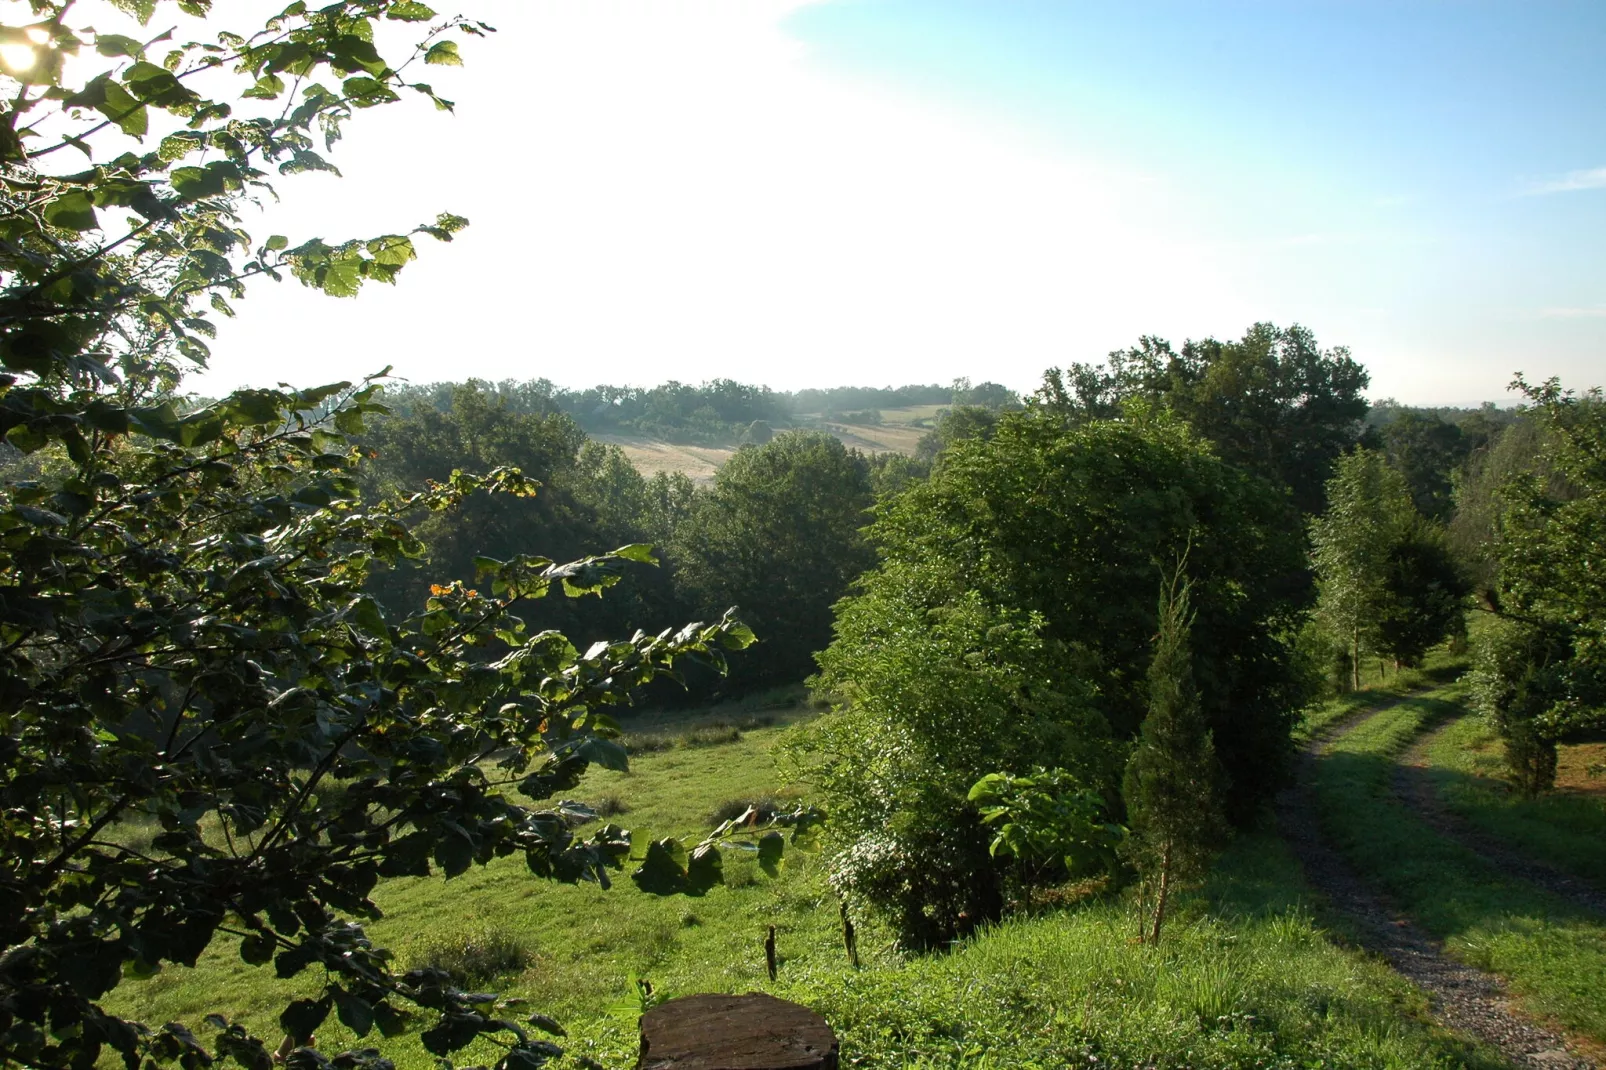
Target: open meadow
900, 431
1251, 976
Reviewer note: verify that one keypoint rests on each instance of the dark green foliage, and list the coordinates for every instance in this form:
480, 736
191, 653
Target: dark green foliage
1423, 597
187, 641
1173, 782
1272, 402
590, 496
935, 689
1004, 631
1519, 450
1519, 672
188, 652
1369, 515
779, 536
1049, 821
716, 412
891, 473
848, 398
993, 397
1068, 521
1427, 450
1542, 674
955, 425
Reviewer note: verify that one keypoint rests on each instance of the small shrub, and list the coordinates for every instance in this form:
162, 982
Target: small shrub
711, 735
766, 805
647, 742
610, 806
477, 958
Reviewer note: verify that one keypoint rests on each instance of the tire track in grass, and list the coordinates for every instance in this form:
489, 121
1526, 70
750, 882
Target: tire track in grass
1413, 783
1463, 998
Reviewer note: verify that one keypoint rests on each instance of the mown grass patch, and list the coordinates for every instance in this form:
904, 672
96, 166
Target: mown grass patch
1440, 667
1553, 954
1565, 829
1245, 978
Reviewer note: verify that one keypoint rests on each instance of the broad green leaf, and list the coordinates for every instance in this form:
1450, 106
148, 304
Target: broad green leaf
444, 53
771, 847
122, 108
302, 1017
410, 12
115, 44
73, 210
637, 551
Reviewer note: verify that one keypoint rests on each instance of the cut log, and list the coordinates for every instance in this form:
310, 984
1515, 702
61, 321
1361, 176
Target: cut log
751, 1032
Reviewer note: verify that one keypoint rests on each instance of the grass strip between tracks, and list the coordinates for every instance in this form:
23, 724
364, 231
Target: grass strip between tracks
1553, 954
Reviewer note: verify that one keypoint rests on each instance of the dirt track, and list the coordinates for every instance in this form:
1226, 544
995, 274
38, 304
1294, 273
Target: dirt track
1464, 999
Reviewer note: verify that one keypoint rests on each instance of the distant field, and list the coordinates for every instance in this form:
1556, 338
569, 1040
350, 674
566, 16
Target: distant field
651, 456
897, 434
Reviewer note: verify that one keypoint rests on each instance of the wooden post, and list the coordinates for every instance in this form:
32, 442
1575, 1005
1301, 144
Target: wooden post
751, 1032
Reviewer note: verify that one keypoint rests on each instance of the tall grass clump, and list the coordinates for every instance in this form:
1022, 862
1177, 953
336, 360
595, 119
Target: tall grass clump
476, 958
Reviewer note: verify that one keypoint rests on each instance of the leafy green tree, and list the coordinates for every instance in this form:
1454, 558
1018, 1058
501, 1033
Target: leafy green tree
891, 473
1272, 402
1368, 511
671, 499
110, 271
1048, 820
1426, 449
955, 425
779, 536
187, 642
185, 636
1173, 782
476, 431
1542, 674
1517, 450
1422, 600
932, 689
993, 397
1000, 632
758, 433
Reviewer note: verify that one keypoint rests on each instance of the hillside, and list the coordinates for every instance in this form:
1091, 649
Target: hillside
1250, 978
899, 432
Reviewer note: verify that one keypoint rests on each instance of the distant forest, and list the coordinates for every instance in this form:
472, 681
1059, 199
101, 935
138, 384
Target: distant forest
719, 411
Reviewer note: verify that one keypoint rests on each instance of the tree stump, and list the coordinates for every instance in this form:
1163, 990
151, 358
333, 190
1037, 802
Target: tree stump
751, 1032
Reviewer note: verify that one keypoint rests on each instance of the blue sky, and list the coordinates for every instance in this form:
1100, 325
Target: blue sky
879, 191
1392, 156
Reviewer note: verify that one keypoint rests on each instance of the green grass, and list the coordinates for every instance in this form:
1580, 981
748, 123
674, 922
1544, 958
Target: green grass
1553, 954
1567, 831
1246, 976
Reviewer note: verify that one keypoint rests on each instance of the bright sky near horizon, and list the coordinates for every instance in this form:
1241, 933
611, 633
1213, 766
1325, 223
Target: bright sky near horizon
874, 192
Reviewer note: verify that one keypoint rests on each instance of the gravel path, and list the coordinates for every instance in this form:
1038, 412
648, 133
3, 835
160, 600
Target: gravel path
1463, 999
1414, 785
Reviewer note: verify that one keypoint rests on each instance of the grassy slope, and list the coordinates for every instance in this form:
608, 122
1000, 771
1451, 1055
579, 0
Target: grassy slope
1253, 983
1565, 829
896, 434
1554, 956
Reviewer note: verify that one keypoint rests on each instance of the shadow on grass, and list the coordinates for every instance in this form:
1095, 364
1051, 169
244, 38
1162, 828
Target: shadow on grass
1554, 953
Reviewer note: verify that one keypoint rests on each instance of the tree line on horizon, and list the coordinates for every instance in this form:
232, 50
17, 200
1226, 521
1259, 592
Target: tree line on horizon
716, 412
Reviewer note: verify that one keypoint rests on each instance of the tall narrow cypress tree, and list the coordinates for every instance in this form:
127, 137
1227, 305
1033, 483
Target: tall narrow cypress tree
1173, 782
